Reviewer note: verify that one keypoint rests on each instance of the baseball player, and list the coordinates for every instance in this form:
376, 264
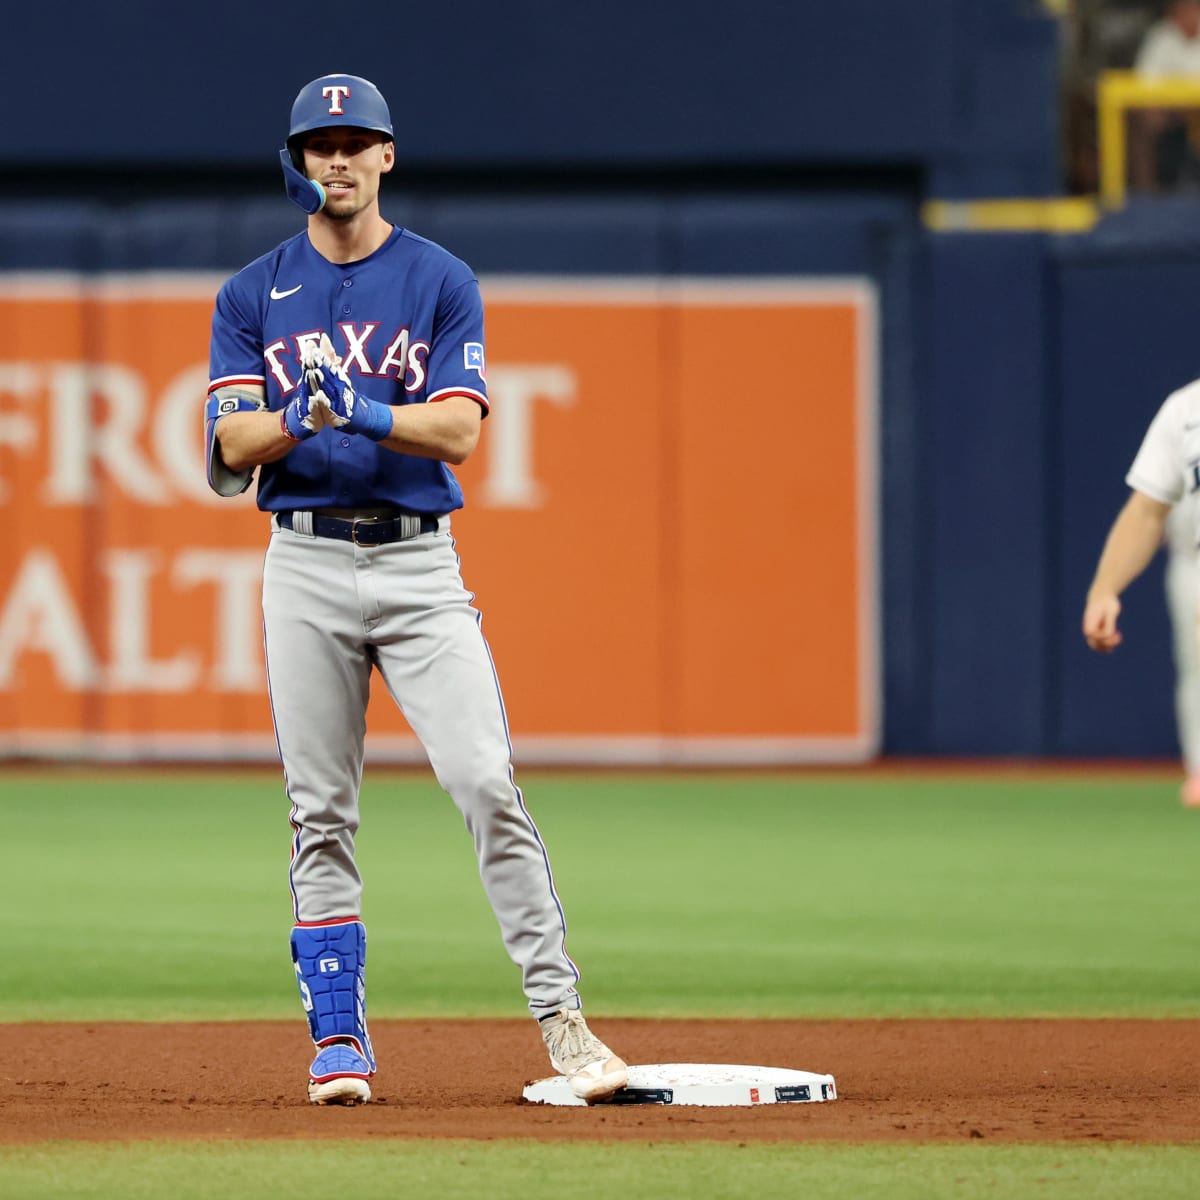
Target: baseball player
347, 366
1181, 582
1164, 505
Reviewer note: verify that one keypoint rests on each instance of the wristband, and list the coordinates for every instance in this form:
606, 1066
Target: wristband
376, 419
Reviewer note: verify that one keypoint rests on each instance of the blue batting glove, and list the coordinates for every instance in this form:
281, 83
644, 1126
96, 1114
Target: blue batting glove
303, 417
349, 410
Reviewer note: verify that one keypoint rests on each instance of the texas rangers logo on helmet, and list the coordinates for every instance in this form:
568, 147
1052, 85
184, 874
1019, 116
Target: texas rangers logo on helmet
335, 94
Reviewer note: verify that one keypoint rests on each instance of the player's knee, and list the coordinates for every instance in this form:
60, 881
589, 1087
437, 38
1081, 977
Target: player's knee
481, 791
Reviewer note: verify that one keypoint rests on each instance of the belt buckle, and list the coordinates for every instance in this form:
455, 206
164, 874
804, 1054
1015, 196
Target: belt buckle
354, 530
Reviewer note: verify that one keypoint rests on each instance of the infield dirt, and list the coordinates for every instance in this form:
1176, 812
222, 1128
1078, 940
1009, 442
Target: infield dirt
910, 1081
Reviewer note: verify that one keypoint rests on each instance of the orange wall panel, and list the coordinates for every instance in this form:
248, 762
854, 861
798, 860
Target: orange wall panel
768, 514
566, 572
670, 525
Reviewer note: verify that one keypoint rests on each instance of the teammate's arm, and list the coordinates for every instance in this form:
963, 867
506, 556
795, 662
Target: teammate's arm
1132, 542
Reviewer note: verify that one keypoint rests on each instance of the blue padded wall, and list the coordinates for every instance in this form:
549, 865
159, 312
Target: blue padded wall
1127, 302
479, 86
987, 347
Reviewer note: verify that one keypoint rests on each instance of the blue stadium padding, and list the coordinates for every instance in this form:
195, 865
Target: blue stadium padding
53, 236
1006, 138
772, 83
167, 235
987, 493
1127, 339
787, 233
551, 235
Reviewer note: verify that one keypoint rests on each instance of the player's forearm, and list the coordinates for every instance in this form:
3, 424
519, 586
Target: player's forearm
1132, 542
249, 439
447, 430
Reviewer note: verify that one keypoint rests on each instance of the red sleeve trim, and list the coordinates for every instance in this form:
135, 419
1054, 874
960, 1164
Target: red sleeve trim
470, 394
237, 380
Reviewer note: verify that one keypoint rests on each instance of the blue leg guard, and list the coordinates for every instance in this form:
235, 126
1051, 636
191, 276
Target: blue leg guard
330, 965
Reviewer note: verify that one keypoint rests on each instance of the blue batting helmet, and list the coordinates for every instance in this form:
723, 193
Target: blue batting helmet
330, 100
337, 100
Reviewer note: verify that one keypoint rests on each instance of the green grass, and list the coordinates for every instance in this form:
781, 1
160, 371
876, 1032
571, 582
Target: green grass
151, 895
159, 896
517, 1171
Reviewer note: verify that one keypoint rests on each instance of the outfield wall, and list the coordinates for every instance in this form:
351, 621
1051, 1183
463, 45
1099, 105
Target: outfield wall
871, 471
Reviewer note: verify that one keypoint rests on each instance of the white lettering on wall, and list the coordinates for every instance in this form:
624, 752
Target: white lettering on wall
39, 616
132, 669
18, 381
237, 612
514, 391
95, 418
79, 431
177, 435
98, 430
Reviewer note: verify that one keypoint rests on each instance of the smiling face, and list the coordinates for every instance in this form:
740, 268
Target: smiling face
348, 162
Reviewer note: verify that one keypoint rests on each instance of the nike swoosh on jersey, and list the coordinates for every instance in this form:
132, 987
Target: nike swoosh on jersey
276, 294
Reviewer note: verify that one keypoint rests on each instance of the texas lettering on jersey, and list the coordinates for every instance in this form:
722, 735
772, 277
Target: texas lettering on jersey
362, 350
407, 322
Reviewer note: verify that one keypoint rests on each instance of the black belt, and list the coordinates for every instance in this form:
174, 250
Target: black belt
362, 531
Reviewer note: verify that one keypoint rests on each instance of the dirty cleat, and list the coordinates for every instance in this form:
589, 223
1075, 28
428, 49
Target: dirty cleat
592, 1069
1189, 794
339, 1075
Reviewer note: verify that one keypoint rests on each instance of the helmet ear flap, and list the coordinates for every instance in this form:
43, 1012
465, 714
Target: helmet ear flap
301, 190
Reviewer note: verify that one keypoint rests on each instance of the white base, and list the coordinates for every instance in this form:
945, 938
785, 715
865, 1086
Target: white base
699, 1084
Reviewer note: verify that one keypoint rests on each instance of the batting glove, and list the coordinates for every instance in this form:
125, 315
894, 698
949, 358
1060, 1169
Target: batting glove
305, 415
347, 409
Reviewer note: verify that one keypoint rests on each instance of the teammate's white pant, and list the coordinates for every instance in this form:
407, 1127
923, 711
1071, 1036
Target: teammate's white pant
331, 611
1183, 596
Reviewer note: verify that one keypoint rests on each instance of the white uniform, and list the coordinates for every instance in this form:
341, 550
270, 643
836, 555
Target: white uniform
1165, 51
1167, 468
1182, 583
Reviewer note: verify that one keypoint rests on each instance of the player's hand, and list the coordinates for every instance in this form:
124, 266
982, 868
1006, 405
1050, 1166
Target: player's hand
330, 385
1100, 622
306, 415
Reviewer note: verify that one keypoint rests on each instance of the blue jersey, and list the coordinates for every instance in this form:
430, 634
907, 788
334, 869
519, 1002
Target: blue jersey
408, 324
